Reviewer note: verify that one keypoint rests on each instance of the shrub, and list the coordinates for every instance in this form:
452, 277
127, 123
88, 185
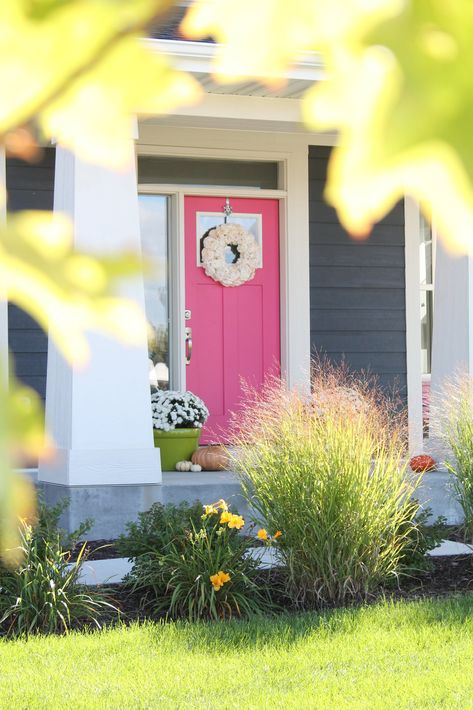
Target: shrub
208, 574
47, 527
159, 526
452, 423
43, 594
329, 470
426, 535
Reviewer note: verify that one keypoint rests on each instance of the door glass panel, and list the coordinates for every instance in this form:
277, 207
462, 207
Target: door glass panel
426, 330
154, 224
426, 271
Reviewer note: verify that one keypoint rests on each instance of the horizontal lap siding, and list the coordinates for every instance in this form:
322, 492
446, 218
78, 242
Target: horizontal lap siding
30, 186
357, 288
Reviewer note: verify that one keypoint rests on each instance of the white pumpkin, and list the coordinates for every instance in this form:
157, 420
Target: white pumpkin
183, 465
195, 468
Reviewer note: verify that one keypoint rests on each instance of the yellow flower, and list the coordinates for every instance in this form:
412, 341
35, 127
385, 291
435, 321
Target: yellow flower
219, 579
262, 534
224, 577
236, 521
277, 534
225, 517
215, 507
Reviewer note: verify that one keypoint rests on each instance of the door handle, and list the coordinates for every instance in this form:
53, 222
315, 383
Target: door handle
188, 345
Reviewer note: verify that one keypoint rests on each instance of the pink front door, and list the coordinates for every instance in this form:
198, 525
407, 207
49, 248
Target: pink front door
235, 329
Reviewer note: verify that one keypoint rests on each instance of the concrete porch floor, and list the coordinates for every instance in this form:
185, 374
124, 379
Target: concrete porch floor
111, 507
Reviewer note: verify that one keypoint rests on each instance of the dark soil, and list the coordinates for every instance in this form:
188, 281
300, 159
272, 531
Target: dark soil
98, 550
108, 549
448, 575
457, 533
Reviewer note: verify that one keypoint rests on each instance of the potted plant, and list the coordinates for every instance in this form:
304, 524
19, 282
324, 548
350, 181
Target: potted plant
178, 418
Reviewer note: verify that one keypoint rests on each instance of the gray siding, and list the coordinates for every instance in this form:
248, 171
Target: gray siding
29, 186
357, 288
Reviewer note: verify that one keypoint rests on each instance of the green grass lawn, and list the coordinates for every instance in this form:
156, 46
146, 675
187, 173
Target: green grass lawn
404, 655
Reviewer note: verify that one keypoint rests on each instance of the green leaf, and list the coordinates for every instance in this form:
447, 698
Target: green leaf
78, 70
66, 291
399, 92
21, 437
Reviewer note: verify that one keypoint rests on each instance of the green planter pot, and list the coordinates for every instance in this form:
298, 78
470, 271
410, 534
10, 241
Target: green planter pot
176, 445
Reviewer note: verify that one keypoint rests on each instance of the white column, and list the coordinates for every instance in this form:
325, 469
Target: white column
413, 339
100, 416
452, 337
295, 273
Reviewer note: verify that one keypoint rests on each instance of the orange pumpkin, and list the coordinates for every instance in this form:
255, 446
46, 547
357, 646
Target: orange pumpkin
422, 463
212, 458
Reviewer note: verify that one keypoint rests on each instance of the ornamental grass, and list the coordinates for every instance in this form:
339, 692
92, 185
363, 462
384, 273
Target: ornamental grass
43, 594
452, 425
329, 470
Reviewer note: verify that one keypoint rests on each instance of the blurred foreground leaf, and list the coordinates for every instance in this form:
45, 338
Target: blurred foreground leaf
22, 437
77, 69
399, 91
258, 39
66, 291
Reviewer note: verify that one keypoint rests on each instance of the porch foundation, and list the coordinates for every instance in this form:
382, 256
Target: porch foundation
113, 506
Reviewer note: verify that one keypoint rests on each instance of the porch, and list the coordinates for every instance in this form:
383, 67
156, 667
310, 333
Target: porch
360, 302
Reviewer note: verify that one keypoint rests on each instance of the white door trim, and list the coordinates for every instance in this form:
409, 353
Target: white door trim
294, 251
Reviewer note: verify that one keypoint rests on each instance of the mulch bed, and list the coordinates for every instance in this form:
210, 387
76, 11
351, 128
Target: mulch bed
108, 550
448, 576
98, 550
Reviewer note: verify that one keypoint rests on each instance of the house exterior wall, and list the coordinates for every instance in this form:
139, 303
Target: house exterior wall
30, 186
357, 290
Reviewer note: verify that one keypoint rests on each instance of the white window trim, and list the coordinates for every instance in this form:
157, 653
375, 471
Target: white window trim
415, 376
413, 340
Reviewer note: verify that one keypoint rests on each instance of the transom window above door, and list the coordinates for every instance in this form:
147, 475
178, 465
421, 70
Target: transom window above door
161, 170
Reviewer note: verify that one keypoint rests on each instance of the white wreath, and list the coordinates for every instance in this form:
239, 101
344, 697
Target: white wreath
213, 255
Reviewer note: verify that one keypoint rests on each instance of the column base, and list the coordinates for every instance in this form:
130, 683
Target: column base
110, 507
92, 467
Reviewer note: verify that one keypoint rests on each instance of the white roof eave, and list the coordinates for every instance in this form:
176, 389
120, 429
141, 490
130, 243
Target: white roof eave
198, 58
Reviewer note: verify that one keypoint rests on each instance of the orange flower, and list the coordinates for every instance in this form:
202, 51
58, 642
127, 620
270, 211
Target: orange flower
219, 579
262, 534
277, 534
